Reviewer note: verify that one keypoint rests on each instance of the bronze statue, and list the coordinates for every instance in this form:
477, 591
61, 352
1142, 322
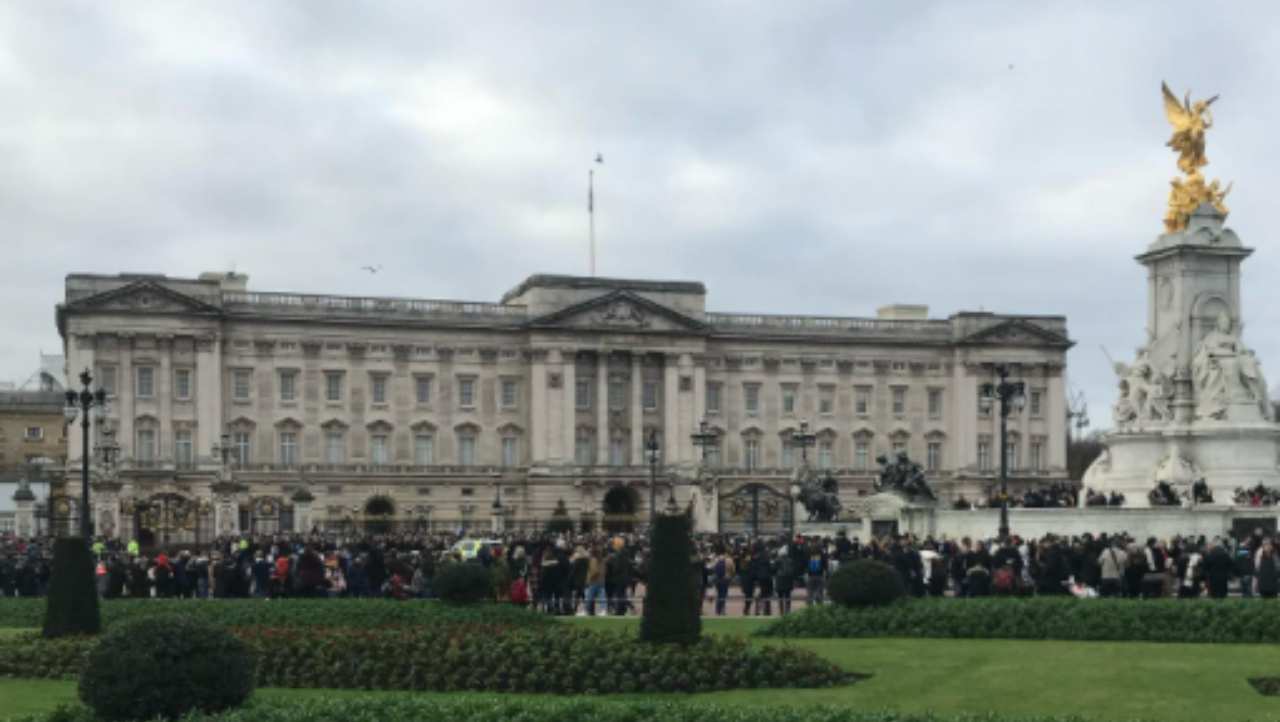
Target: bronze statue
818, 493
1190, 121
903, 476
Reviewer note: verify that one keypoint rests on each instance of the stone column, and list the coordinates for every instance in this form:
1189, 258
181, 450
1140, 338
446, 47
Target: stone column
602, 407
637, 410
539, 414
699, 391
125, 378
208, 395
670, 409
164, 399
569, 404
686, 411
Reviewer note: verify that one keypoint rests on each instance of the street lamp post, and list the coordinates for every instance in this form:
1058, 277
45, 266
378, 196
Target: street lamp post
652, 449
79, 404
804, 439
1008, 393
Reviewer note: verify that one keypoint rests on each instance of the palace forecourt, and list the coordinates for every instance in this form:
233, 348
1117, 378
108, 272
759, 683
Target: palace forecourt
238, 410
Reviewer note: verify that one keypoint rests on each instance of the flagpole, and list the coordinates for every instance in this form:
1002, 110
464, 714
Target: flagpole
591, 216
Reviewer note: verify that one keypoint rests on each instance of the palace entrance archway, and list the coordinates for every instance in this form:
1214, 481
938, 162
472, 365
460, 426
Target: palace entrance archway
620, 509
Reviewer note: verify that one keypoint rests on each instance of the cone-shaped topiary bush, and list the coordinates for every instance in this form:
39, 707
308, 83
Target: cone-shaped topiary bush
166, 666
672, 609
865, 583
72, 606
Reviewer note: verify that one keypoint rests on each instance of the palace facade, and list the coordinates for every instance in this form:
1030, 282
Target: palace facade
340, 412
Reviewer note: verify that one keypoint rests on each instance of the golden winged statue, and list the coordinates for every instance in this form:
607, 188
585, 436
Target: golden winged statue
1190, 121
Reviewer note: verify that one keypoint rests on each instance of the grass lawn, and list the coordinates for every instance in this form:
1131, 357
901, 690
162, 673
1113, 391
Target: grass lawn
1094, 680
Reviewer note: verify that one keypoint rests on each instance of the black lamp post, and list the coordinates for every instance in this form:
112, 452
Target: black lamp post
80, 403
652, 449
1008, 393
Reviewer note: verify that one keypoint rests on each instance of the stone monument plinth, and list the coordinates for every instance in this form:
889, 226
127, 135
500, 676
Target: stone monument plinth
1193, 404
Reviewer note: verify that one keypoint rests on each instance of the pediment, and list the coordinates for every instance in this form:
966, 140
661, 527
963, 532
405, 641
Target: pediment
143, 297
1017, 332
621, 310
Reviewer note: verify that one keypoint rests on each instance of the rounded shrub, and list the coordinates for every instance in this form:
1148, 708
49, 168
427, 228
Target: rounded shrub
463, 583
865, 583
166, 667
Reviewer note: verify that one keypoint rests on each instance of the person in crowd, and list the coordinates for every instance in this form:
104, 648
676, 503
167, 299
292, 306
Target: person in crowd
1265, 570
595, 592
1112, 563
1217, 569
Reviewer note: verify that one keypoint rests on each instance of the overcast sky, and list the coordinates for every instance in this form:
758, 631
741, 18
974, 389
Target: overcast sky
822, 158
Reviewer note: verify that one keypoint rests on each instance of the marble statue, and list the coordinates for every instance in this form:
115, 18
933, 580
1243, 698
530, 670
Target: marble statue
1224, 372
1145, 393
1189, 121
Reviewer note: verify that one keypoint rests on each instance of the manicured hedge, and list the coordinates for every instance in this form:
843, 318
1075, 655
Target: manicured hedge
545, 709
28, 612
560, 659
1120, 620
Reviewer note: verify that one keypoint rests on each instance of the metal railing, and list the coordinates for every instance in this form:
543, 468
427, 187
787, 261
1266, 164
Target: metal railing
321, 304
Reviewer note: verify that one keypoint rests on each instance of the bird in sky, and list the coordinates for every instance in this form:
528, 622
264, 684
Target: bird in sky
372, 269
600, 158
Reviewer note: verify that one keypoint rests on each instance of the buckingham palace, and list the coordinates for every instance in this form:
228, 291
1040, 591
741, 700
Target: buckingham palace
234, 410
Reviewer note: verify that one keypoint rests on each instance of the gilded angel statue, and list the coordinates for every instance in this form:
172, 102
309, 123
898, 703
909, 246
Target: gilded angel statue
1190, 121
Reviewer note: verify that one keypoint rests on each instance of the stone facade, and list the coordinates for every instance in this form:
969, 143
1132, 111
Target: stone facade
32, 426
335, 406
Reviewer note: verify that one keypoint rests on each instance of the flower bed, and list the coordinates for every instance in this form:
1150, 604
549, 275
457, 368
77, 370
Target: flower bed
28, 612
476, 657
1120, 620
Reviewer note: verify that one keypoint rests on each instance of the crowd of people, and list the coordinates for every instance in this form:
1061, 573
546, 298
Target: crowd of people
567, 573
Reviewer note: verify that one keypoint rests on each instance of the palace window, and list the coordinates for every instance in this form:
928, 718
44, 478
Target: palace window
107, 379
146, 387
1037, 451
826, 400
467, 393
984, 405
33, 433
332, 385
510, 393
583, 448
378, 388
751, 449
582, 395
182, 449
935, 403
335, 447
788, 398
424, 449
145, 452
240, 440
861, 455
182, 384
788, 455
288, 448
933, 456
825, 455
288, 385
240, 379
713, 398
617, 451
617, 396
862, 400
466, 448
379, 453
1011, 454
984, 453
899, 400
510, 450
1036, 402
422, 389
751, 398
650, 393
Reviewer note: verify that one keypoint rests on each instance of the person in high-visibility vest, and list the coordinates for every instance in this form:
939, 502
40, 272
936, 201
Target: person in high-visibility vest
133, 548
